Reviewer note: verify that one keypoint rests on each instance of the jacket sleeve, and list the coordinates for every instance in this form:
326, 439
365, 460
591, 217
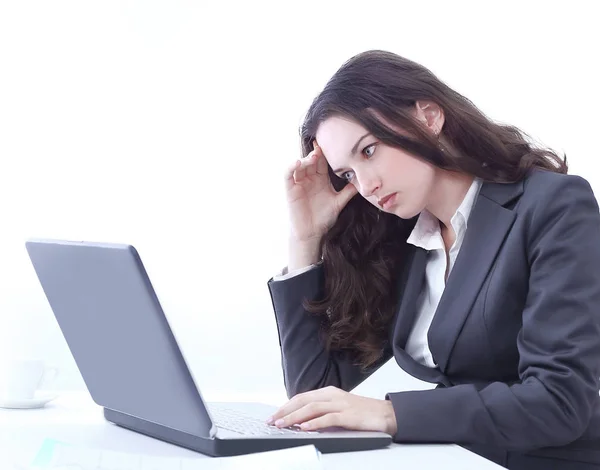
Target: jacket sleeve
306, 363
286, 274
558, 344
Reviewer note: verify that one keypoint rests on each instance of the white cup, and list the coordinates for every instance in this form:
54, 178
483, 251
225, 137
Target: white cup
21, 378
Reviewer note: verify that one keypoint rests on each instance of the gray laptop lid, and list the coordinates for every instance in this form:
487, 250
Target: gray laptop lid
117, 332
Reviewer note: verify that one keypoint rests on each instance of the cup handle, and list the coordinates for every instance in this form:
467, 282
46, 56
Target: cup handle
49, 376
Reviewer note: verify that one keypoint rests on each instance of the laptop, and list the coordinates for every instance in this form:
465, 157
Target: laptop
129, 359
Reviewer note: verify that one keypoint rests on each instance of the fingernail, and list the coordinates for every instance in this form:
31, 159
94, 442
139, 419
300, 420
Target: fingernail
270, 420
279, 422
305, 425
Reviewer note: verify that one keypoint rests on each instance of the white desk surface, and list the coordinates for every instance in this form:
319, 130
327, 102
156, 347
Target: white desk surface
74, 418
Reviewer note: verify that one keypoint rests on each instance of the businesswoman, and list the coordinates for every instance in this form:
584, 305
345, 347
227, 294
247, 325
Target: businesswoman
423, 230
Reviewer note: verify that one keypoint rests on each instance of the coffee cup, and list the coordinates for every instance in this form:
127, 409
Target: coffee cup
21, 378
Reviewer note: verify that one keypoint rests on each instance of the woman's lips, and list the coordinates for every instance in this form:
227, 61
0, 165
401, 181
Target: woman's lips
387, 201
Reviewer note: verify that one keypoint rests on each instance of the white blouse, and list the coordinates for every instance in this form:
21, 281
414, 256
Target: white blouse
427, 235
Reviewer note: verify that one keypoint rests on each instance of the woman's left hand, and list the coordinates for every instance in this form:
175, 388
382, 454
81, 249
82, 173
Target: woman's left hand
331, 406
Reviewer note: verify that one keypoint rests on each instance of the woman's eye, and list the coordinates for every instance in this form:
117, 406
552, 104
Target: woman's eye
369, 150
347, 175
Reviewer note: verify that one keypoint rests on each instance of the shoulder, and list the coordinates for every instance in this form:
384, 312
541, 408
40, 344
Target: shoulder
548, 185
547, 192
551, 200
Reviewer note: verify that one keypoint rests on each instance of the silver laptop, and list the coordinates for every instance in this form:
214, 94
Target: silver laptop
132, 366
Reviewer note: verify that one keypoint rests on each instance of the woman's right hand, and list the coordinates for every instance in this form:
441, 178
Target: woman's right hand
313, 202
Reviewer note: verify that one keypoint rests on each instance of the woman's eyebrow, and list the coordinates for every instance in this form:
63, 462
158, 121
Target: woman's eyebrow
354, 149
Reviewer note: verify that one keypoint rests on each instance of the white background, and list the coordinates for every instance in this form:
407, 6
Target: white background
168, 125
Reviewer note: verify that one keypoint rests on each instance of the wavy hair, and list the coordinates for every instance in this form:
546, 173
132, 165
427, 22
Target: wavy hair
364, 253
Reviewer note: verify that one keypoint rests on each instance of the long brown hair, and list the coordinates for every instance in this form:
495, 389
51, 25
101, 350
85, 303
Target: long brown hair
364, 252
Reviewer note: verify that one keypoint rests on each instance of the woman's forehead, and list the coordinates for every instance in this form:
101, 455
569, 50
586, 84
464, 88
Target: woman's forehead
337, 135
338, 127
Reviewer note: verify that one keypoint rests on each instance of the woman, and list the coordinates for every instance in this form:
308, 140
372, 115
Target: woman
470, 256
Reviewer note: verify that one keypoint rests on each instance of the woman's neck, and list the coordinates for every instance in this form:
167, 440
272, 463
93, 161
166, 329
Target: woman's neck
448, 193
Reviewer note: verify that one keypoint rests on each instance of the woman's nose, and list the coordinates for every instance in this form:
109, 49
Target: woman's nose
368, 185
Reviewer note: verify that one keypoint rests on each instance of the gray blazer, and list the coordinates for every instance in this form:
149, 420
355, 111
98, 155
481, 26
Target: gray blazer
516, 335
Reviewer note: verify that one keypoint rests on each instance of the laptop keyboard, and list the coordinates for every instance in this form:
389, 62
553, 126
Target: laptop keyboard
234, 420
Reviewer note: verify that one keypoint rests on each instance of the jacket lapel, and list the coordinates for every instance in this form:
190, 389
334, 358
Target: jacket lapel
406, 314
488, 225
407, 309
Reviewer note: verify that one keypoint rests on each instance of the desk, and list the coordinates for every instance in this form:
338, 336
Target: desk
76, 419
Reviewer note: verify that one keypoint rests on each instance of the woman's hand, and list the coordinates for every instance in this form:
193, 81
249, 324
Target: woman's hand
331, 406
314, 204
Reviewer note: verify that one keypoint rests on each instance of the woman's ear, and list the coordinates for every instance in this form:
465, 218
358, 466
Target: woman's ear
431, 115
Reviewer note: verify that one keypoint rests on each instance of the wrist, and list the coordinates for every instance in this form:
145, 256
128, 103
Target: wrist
303, 252
391, 425
305, 242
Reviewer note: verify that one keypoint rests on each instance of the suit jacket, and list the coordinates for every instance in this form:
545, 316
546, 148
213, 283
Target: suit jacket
516, 335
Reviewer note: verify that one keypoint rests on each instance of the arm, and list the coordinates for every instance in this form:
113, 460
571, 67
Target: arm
306, 363
559, 345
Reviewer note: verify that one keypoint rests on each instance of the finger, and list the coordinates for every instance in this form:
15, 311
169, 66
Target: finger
346, 194
312, 161
321, 168
301, 170
291, 406
305, 168
311, 411
303, 399
289, 175
326, 421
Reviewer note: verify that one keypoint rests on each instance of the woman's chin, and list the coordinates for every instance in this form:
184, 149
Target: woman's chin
404, 212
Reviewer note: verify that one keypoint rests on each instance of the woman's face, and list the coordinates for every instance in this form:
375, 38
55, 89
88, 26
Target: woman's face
377, 170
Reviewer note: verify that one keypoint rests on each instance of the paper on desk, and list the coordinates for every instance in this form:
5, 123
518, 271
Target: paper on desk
82, 458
